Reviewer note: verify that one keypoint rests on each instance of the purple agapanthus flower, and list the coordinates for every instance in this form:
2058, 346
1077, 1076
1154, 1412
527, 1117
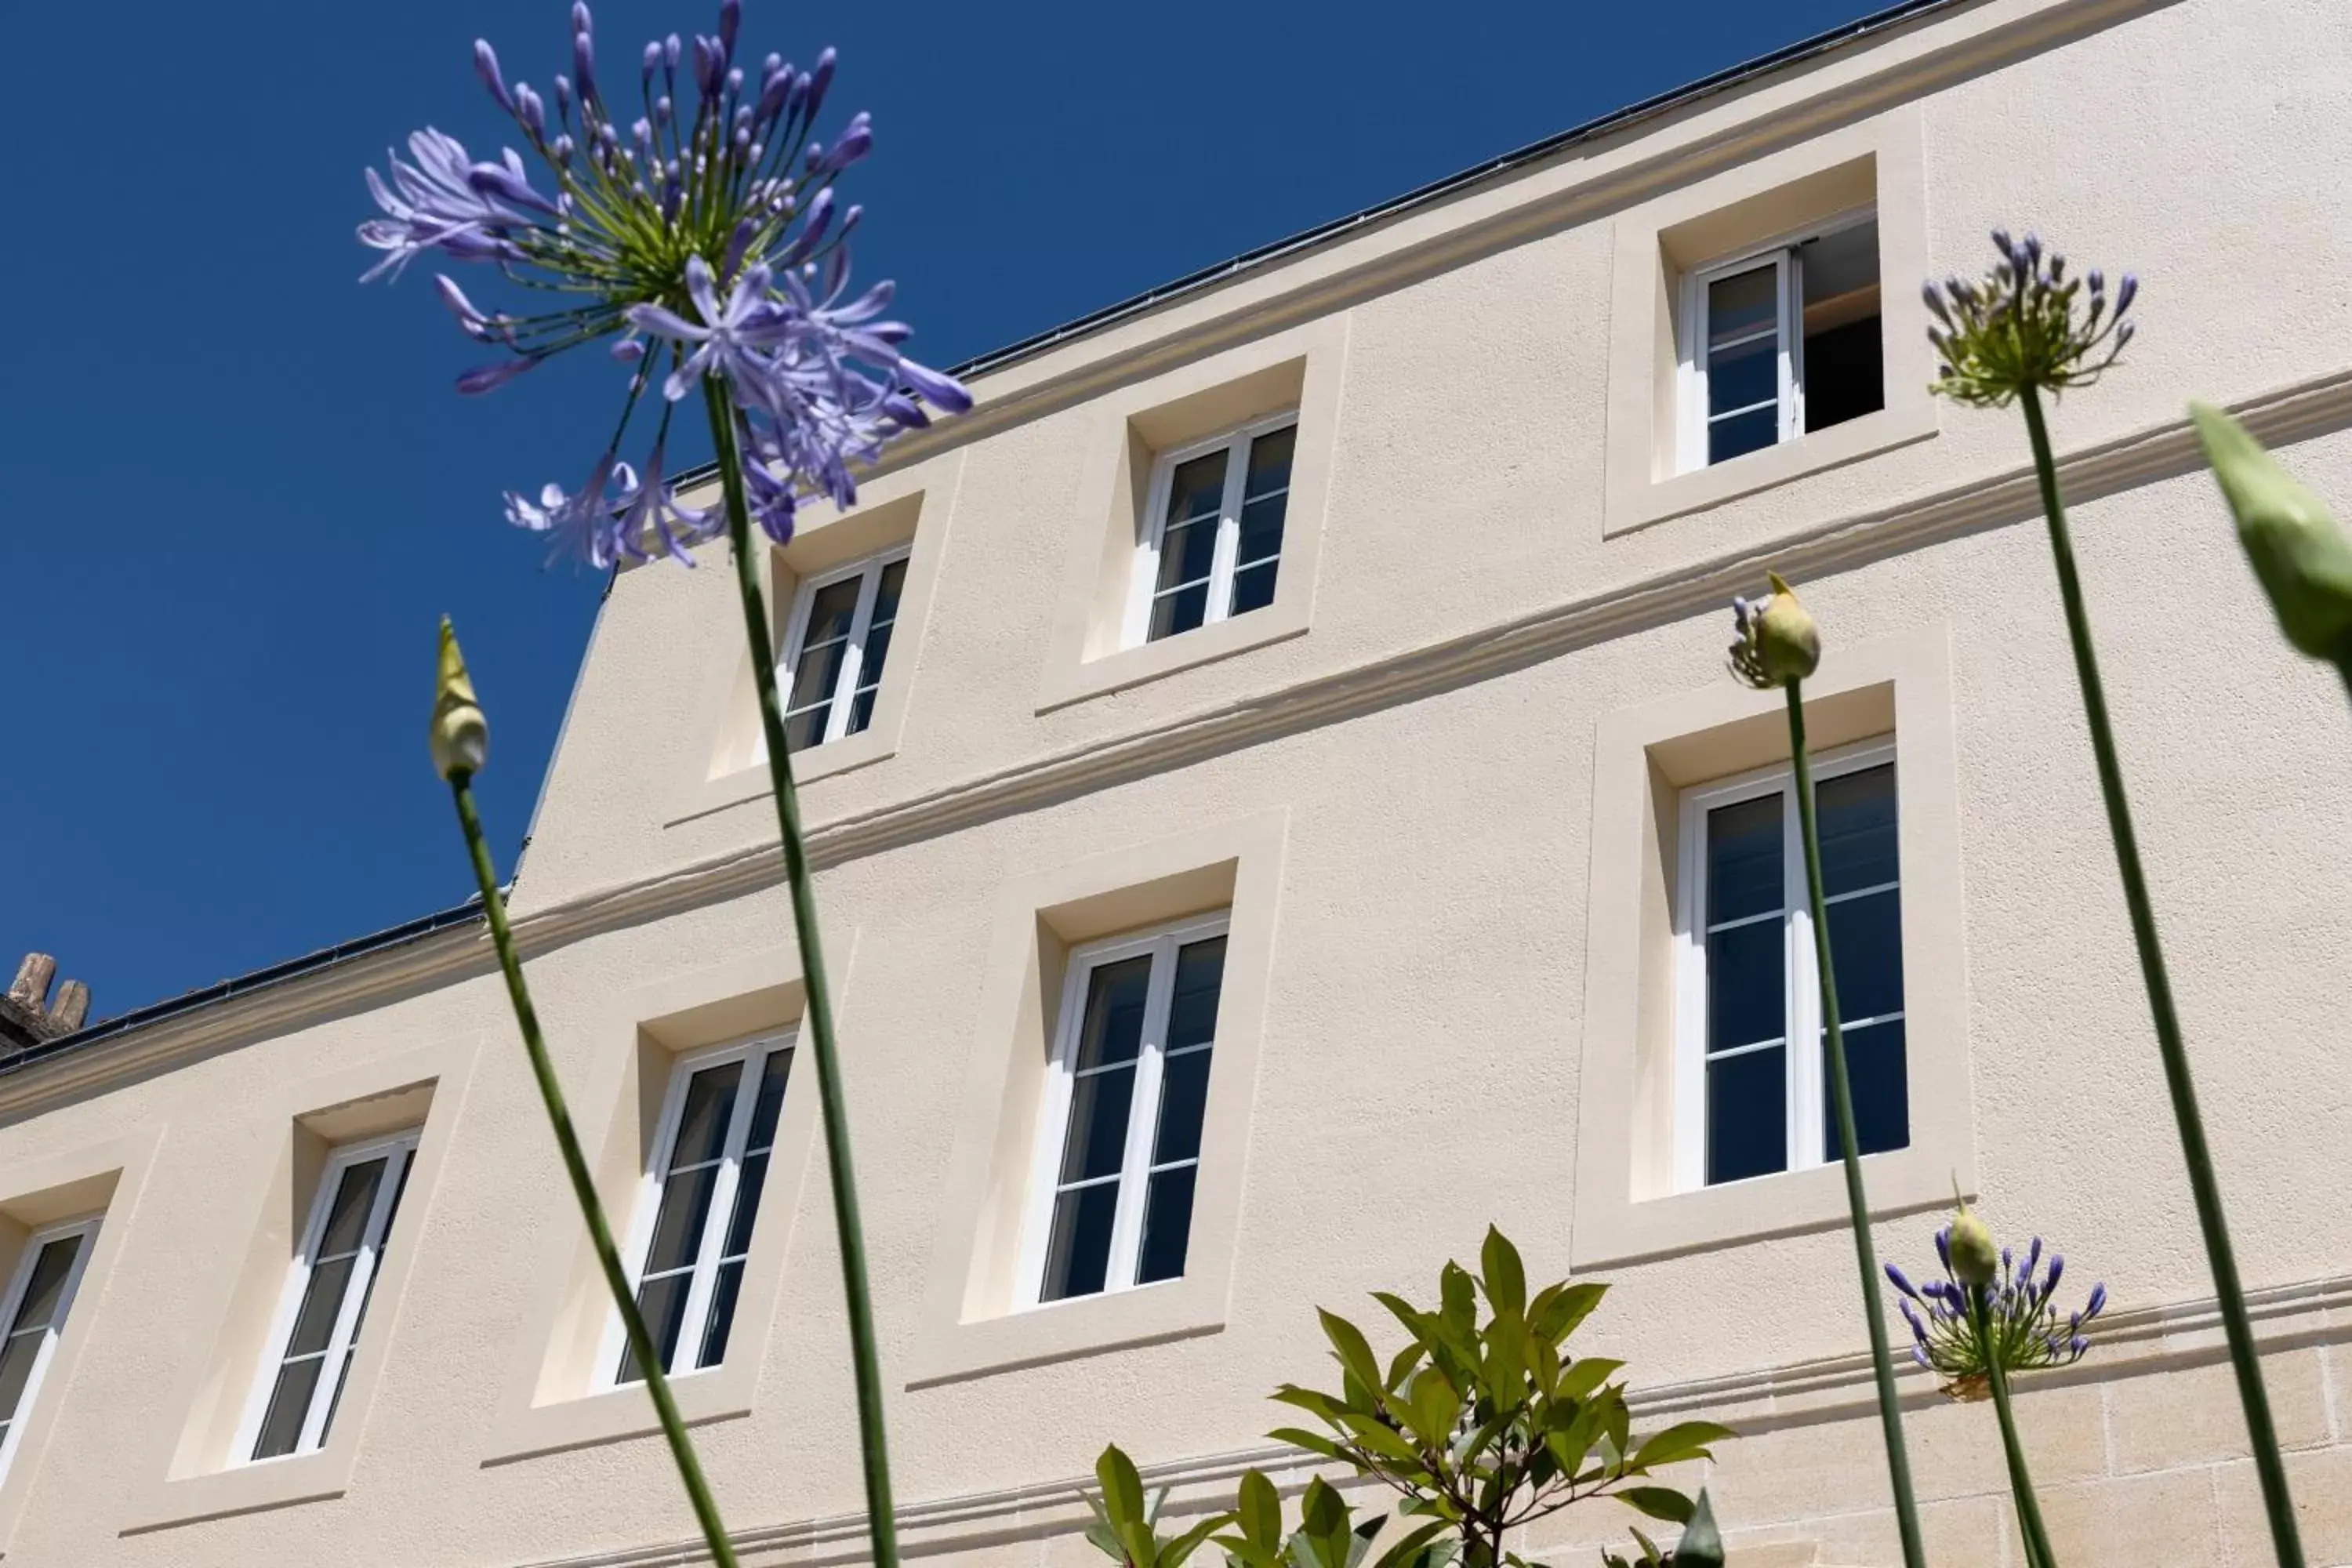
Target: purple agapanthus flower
2023, 1330
2025, 323
706, 242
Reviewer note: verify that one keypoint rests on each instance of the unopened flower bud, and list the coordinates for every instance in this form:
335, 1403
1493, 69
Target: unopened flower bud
2299, 554
461, 736
1702, 1544
1975, 1259
1778, 643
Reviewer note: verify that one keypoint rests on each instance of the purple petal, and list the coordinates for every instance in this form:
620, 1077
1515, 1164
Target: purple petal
1902, 1281
491, 377
660, 323
486, 64
505, 184
942, 390
2097, 1302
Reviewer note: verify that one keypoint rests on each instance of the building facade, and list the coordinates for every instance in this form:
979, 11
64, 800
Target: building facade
1280, 807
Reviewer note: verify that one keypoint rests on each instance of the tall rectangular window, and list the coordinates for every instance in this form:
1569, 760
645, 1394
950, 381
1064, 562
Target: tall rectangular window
34, 1316
1112, 1204
1781, 341
1214, 545
1751, 1096
325, 1301
701, 1201
835, 649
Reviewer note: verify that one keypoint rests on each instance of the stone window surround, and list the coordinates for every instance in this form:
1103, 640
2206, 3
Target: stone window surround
197, 1476
1626, 1205
556, 1400
1299, 369
101, 1179
969, 1326
1877, 163
903, 510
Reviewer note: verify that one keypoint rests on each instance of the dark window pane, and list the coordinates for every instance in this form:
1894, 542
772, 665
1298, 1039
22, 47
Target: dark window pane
805, 728
1743, 303
831, 611
1187, 551
1747, 1116
886, 592
1254, 586
677, 1227
1077, 1252
47, 1286
1742, 434
290, 1401
746, 1205
1096, 1142
773, 1075
1197, 489
1192, 1009
1113, 1028
1743, 376
1167, 1225
1260, 530
1855, 815
1743, 860
16, 1358
702, 1120
663, 1304
1866, 954
1179, 612
347, 1217
727, 1287
1746, 968
1882, 1092
322, 1299
335, 1400
1845, 372
1183, 1092
869, 677
861, 712
1269, 463
813, 679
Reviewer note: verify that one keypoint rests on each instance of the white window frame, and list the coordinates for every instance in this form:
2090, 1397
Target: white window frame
1806, 1100
40, 1240
712, 1244
1136, 1168
1783, 251
398, 1149
853, 657
1235, 444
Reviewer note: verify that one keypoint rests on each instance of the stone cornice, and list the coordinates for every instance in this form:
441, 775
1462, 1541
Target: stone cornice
2156, 452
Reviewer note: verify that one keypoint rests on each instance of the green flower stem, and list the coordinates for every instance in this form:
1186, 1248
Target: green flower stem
881, 1522
2276, 1501
1890, 1415
2021, 1484
583, 1187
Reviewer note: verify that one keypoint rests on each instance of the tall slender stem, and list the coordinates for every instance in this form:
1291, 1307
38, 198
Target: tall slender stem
2021, 1484
2243, 1357
584, 1187
1890, 1415
881, 1522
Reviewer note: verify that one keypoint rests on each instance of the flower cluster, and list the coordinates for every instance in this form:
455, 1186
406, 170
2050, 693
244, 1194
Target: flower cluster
707, 238
2023, 1330
1778, 642
2025, 325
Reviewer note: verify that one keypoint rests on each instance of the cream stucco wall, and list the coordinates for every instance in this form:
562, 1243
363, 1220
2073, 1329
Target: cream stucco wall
1403, 796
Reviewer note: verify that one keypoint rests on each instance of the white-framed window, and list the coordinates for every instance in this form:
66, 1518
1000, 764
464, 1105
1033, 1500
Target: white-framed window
1111, 1197
834, 647
325, 1301
1781, 340
1745, 1103
34, 1316
692, 1235
1214, 545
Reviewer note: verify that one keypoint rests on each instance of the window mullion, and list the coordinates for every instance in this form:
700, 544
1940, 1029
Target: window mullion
347, 1310
1229, 532
1804, 1058
1789, 276
1143, 1119
1053, 1128
853, 657
716, 1220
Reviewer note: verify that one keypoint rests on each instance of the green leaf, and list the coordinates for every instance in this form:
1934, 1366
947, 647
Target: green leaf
1460, 1299
1313, 1442
1402, 1364
1360, 1540
1407, 1552
1435, 1407
1504, 1365
1649, 1547
1174, 1555
1372, 1434
1582, 1377
1701, 1545
1684, 1440
1122, 1489
1557, 1317
1259, 1509
1355, 1354
1324, 1520
1404, 1312
1658, 1502
1310, 1401
1505, 1277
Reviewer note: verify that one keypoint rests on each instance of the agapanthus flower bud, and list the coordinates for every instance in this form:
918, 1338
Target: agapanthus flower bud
460, 735
486, 63
1975, 1259
1702, 1544
2299, 555
1778, 643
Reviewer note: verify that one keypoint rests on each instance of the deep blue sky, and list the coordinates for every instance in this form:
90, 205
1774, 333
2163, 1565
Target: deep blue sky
239, 489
